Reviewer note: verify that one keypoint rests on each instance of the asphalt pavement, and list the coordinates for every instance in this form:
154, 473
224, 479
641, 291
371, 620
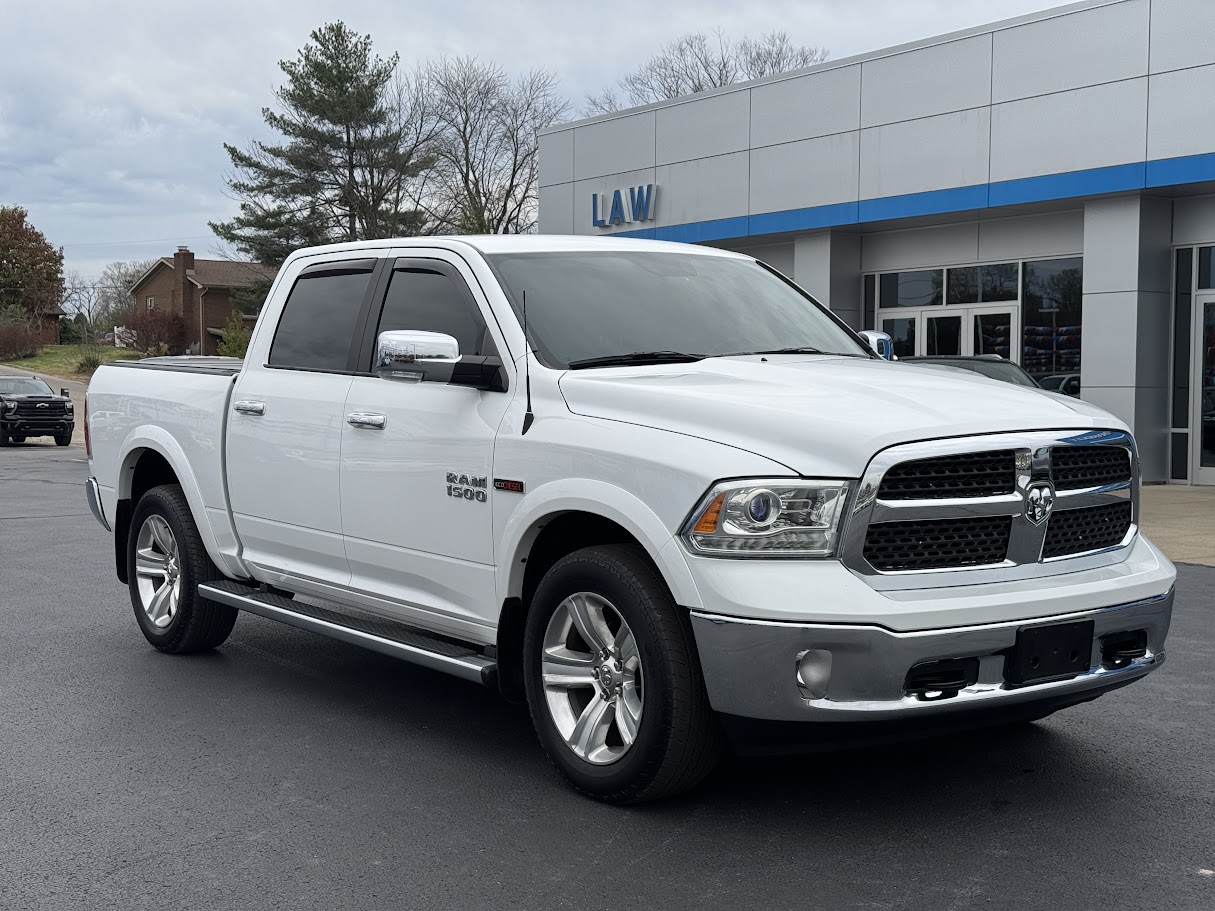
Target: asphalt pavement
288, 771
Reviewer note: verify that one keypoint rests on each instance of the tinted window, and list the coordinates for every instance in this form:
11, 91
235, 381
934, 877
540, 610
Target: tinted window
583, 304
981, 284
1051, 314
23, 386
433, 302
317, 324
911, 289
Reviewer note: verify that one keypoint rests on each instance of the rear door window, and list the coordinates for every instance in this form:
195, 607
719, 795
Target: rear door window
316, 329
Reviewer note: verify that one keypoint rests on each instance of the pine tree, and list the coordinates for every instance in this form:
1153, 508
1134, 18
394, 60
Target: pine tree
31, 269
340, 172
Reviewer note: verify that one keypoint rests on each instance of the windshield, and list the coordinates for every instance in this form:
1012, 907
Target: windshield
23, 386
996, 370
600, 304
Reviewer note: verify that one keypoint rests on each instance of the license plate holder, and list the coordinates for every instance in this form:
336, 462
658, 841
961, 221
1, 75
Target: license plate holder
1055, 651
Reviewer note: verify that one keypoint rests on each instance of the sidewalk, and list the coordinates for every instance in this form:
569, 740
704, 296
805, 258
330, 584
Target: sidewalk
1180, 521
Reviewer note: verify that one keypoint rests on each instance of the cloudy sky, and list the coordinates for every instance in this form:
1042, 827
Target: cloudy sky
113, 115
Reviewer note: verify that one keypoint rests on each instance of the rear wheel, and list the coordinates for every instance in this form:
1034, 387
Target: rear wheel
613, 681
18, 439
63, 439
166, 561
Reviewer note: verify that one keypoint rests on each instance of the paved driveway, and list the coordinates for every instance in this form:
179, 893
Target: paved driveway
288, 771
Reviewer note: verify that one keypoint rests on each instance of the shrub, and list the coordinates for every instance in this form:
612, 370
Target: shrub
17, 341
90, 362
156, 331
237, 333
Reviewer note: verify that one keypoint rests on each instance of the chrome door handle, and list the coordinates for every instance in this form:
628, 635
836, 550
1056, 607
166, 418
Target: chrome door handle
249, 407
363, 419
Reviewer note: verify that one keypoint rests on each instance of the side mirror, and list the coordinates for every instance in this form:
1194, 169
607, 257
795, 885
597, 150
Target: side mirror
880, 342
405, 354
65, 393
434, 357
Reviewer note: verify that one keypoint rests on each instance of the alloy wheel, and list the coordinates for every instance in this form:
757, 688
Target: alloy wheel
158, 571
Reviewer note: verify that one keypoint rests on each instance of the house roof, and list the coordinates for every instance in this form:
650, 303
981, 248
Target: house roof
216, 273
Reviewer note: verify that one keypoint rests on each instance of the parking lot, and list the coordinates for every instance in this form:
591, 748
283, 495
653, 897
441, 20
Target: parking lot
289, 771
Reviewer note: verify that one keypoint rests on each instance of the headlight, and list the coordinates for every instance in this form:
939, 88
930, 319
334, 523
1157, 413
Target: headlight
69, 407
10, 407
780, 518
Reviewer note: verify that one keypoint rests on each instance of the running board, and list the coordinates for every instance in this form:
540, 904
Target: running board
370, 632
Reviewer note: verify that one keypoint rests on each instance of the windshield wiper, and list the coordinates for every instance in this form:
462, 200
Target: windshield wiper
803, 350
637, 357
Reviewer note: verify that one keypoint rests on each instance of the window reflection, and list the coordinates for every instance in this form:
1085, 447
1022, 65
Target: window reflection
1051, 315
911, 289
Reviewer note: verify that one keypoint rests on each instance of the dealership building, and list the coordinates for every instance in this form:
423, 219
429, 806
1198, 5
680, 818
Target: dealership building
1041, 188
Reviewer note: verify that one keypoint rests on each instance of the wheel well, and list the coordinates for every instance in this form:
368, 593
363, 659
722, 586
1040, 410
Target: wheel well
147, 469
555, 537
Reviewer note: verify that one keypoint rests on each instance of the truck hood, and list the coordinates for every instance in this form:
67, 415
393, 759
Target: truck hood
825, 416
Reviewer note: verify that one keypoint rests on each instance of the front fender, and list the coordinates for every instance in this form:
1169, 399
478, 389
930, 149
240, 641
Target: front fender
600, 499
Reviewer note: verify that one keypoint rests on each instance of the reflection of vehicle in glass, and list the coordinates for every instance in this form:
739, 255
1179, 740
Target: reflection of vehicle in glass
1067, 383
28, 408
990, 367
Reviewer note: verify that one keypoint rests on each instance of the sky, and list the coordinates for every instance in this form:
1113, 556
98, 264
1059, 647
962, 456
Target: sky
113, 115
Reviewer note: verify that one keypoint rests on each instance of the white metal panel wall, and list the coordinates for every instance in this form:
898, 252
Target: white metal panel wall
557, 209
704, 189
939, 245
778, 173
817, 104
614, 146
1086, 128
715, 125
933, 153
931, 80
1178, 121
1182, 33
1089, 47
1049, 234
556, 158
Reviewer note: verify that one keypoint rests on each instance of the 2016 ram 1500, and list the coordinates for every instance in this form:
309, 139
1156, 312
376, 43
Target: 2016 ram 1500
657, 491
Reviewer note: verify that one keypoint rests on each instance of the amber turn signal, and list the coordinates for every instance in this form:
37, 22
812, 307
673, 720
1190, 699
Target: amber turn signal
707, 523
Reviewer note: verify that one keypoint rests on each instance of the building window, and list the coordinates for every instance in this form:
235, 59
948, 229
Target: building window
996, 283
151, 303
1051, 306
911, 289
1205, 279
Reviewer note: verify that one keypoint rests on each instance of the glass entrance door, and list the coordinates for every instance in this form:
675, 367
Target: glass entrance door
1203, 421
951, 331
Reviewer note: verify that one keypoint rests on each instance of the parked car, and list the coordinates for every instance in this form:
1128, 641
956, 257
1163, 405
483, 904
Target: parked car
655, 491
1066, 383
992, 367
28, 408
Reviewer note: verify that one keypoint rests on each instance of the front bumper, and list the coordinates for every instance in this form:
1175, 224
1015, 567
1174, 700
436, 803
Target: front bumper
859, 672
37, 427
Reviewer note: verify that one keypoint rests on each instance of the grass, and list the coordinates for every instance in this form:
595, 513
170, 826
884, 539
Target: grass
64, 360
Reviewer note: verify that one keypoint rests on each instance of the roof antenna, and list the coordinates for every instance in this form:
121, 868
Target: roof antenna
528, 417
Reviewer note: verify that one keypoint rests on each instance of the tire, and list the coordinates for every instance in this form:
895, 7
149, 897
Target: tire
18, 439
676, 739
166, 575
63, 439
3, 439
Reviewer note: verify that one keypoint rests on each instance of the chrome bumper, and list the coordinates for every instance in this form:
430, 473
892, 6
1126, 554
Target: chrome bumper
858, 673
94, 498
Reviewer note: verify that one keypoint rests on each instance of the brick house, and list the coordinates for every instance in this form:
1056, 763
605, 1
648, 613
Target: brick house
200, 290
47, 327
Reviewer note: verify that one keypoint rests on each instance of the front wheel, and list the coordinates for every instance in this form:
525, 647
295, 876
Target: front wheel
63, 439
166, 560
613, 680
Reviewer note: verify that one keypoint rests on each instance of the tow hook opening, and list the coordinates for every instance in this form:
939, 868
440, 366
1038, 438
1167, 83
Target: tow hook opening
1119, 649
931, 681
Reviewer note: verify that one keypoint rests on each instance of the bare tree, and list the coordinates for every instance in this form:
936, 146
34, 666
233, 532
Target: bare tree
82, 298
114, 299
700, 61
484, 177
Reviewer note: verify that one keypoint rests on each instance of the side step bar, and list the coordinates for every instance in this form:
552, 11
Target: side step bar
379, 635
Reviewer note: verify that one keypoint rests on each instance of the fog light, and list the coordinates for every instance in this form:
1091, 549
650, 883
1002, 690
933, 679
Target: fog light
814, 672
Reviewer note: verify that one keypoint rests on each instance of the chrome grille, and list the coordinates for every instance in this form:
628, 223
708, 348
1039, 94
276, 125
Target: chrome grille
1077, 531
936, 544
967, 474
955, 512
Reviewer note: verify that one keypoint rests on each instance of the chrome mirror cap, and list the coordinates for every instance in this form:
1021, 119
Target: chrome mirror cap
880, 342
404, 353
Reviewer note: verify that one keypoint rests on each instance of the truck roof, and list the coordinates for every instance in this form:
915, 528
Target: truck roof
519, 243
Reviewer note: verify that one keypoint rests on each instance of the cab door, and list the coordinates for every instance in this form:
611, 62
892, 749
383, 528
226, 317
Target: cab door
285, 426
417, 457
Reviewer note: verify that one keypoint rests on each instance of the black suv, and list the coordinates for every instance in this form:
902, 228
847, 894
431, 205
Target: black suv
28, 408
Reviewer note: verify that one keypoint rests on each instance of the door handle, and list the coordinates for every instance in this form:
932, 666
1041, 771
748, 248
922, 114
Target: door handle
257, 408
363, 419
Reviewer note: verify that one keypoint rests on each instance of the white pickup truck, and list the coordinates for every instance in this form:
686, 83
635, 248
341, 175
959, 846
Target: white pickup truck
655, 490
